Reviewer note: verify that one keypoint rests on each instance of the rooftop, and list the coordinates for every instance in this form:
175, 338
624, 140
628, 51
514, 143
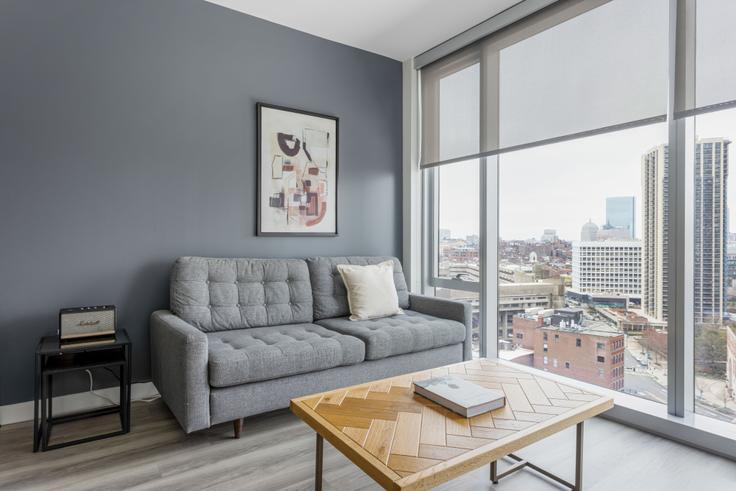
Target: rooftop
589, 328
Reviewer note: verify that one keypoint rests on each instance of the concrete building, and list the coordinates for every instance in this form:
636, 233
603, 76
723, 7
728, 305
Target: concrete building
516, 298
630, 320
459, 270
603, 300
549, 235
654, 221
711, 230
710, 226
592, 352
515, 273
731, 266
607, 267
620, 214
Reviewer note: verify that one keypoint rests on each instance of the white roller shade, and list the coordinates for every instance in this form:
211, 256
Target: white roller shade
603, 68
576, 67
715, 52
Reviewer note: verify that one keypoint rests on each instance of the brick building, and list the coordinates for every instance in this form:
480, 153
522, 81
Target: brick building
592, 353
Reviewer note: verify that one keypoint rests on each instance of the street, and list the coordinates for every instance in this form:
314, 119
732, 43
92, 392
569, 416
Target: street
640, 383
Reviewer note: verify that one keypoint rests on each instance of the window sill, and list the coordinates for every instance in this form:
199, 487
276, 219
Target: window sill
711, 435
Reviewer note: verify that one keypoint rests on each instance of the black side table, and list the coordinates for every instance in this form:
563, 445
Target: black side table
53, 358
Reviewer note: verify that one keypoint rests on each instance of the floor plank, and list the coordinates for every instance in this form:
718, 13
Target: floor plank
276, 452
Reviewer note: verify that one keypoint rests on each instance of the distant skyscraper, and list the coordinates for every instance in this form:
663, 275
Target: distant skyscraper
549, 235
620, 213
654, 222
589, 232
711, 230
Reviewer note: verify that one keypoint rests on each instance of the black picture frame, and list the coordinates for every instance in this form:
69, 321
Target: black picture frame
259, 152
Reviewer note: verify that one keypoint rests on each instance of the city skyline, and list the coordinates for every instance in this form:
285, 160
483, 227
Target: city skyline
571, 191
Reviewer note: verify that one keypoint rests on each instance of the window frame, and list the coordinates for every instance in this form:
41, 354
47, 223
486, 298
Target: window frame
676, 419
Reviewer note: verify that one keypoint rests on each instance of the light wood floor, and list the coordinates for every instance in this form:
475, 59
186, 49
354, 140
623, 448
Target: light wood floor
276, 452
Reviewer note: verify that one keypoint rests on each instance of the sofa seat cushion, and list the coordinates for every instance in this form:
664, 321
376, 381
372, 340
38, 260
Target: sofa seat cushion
262, 353
399, 334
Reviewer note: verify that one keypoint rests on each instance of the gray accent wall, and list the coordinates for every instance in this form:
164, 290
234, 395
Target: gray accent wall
127, 138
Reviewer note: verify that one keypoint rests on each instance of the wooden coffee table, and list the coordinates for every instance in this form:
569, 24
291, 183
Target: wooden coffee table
404, 441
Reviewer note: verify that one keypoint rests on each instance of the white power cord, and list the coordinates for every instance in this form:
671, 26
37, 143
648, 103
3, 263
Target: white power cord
95, 393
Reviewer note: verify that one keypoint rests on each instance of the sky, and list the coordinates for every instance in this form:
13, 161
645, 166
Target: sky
544, 90
564, 185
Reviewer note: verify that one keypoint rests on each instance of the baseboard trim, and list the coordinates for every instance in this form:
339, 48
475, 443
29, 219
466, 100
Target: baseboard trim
23, 411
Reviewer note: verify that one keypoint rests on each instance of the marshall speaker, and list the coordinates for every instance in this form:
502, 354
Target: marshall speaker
87, 322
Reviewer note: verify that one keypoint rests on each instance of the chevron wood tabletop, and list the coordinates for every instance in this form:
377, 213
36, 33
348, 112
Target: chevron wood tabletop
404, 441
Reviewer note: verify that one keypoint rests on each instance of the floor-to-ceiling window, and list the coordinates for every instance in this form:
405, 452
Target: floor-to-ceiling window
458, 238
575, 253
710, 131
603, 250
454, 237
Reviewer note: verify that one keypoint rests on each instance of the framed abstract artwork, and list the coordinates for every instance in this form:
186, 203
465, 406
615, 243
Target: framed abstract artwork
297, 172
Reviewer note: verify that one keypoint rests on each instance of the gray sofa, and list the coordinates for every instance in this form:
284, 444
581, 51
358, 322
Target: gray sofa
244, 336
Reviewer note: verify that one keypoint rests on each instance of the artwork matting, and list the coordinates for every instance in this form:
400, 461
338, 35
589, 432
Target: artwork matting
297, 155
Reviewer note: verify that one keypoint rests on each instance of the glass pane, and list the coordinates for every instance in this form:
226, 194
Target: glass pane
714, 266
459, 221
575, 239
715, 65
459, 115
473, 299
604, 67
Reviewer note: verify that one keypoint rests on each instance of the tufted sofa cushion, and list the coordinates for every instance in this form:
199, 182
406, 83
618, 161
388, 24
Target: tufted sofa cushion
399, 334
328, 289
220, 294
262, 353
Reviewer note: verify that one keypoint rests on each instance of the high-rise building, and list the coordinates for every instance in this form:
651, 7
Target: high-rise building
611, 266
654, 221
620, 213
549, 235
711, 230
589, 232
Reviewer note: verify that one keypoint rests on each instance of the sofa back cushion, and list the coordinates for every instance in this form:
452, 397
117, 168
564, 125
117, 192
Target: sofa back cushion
216, 294
328, 289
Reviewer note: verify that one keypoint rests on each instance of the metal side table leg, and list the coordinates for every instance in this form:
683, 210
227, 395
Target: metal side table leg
37, 395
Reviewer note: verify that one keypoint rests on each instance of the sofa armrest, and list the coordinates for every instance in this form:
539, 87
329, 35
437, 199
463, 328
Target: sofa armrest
179, 369
447, 309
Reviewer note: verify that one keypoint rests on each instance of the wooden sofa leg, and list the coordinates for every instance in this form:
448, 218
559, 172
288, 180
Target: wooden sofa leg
237, 426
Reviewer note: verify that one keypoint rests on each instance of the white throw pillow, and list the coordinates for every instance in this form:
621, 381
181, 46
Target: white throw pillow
371, 290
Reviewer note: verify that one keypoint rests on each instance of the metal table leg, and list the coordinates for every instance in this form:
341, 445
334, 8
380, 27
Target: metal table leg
318, 464
44, 421
128, 385
51, 397
36, 392
122, 396
520, 463
579, 457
